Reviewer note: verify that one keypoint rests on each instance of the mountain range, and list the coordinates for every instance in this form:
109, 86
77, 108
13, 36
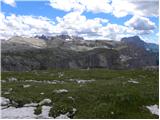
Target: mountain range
64, 51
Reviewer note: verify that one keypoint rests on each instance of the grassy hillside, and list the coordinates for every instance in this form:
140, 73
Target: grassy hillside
96, 93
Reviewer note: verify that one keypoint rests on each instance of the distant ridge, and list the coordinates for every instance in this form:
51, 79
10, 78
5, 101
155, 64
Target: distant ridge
63, 51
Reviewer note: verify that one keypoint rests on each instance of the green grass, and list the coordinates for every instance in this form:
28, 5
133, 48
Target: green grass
38, 110
109, 96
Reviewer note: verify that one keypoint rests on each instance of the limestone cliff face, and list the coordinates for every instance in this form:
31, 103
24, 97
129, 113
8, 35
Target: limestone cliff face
75, 52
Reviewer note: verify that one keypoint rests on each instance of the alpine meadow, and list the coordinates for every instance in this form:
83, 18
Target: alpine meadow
79, 59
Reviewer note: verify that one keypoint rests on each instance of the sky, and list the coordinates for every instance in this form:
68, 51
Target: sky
91, 19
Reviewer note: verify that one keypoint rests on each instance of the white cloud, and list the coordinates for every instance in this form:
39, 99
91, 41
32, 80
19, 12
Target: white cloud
95, 6
140, 23
10, 2
115, 32
66, 5
118, 8
73, 23
122, 8
24, 25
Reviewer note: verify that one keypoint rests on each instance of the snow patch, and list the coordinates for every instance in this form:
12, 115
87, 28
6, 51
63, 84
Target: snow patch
45, 112
10, 89
45, 81
31, 105
153, 109
112, 113
60, 74
12, 79
70, 97
133, 81
26, 86
35, 81
61, 91
61, 116
4, 101
45, 101
6, 93
42, 93
18, 113
3, 81
25, 113
82, 81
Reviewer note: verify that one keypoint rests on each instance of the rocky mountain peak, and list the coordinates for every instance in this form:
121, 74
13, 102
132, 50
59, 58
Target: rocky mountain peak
60, 37
134, 40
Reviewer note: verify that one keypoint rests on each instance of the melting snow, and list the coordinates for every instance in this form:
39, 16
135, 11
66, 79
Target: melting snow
12, 79
82, 81
45, 81
3, 81
31, 105
133, 81
62, 116
60, 74
18, 113
26, 86
6, 93
10, 89
35, 81
45, 112
70, 97
153, 109
61, 91
112, 113
27, 112
45, 101
4, 101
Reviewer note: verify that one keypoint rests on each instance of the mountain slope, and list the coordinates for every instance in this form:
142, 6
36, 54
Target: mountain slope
21, 54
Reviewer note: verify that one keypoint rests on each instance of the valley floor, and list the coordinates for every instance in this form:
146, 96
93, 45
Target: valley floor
80, 93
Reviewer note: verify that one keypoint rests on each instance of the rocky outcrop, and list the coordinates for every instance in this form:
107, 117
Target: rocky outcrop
61, 53
43, 59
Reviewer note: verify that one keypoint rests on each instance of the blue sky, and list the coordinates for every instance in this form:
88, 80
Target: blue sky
107, 20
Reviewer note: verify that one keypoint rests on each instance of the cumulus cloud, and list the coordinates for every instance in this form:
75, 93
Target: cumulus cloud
140, 23
97, 6
115, 31
10, 2
14, 25
94, 6
122, 8
66, 5
73, 23
118, 8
